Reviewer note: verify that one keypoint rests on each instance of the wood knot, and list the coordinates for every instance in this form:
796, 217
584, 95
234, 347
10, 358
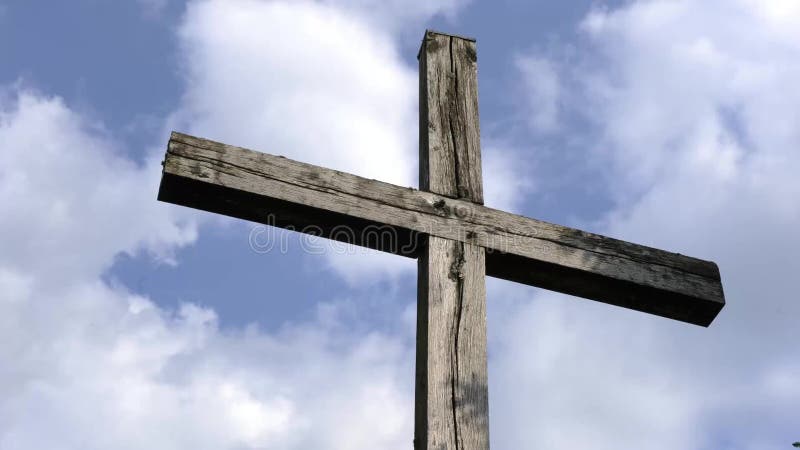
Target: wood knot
457, 269
197, 171
441, 208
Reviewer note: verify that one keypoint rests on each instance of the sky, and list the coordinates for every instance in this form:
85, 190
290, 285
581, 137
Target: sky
127, 323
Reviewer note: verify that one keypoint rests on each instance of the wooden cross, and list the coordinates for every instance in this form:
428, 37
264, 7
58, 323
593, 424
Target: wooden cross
454, 237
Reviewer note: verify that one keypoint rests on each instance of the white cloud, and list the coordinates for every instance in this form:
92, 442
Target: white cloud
698, 126
99, 359
299, 79
307, 81
394, 15
69, 199
360, 266
102, 368
562, 381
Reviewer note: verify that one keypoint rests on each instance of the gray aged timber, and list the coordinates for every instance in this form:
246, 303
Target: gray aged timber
456, 239
256, 186
452, 394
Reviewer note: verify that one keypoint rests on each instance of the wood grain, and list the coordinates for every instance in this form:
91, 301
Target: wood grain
256, 186
452, 408
451, 375
449, 112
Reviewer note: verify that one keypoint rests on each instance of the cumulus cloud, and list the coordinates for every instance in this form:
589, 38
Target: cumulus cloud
96, 358
393, 15
300, 79
320, 82
695, 116
306, 80
83, 356
70, 198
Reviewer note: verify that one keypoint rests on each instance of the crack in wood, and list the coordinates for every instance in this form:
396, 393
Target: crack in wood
457, 275
452, 122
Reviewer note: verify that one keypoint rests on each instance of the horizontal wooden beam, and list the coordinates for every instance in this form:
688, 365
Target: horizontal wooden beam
269, 189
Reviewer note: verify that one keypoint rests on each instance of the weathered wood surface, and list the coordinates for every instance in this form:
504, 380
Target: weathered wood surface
260, 187
452, 404
448, 113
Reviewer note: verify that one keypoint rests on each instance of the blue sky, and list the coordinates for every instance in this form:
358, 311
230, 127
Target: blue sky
128, 323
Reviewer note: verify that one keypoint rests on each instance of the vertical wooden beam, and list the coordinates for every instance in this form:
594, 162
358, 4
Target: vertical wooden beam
451, 410
450, 146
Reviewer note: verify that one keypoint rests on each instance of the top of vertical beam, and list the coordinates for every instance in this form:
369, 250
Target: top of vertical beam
450, 151
434, 32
